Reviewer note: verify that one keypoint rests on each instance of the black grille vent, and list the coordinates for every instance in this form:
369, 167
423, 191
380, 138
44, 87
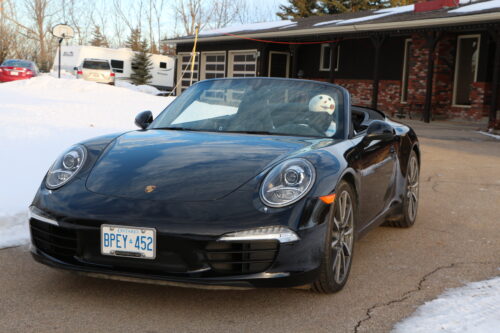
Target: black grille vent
234, 258
53, 240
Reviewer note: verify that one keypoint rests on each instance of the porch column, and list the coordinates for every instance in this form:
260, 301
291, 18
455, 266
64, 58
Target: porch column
495, 34
333, 60
432, 38
377, 41
263, 60
294, 53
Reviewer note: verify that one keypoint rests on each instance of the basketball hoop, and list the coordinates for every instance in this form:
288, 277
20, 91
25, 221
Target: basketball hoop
63, 31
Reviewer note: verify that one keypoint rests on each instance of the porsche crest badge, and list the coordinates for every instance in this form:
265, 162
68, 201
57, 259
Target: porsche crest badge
150, 188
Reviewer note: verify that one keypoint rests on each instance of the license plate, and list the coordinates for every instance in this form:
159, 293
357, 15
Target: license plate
132, 242
14, 73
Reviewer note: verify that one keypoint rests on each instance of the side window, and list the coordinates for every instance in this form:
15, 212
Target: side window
117, 66
163, 65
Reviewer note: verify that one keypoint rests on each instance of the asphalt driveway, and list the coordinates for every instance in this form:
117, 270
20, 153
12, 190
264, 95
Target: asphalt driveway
455, 240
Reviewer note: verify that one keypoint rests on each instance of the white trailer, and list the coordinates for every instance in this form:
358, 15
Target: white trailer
121, 62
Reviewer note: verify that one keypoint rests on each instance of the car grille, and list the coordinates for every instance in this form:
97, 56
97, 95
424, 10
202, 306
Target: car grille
53, 240
241, 257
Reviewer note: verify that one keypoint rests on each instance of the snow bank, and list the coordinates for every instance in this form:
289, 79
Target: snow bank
142, 88
41, 117
473, 308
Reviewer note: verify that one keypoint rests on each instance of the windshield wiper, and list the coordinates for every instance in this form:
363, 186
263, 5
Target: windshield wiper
176, 129
252, 132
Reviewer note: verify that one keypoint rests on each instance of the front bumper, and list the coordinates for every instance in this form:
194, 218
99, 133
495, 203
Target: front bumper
183, 259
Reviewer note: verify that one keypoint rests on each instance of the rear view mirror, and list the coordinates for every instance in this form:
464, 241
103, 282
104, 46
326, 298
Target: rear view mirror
144, 119
379, 130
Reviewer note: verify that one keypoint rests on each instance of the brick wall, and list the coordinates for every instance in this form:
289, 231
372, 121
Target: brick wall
442, 93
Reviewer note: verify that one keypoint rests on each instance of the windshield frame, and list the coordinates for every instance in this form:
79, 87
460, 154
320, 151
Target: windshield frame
345, 110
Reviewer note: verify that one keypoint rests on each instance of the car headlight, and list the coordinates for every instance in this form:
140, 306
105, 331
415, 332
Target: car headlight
288, 182
66, 167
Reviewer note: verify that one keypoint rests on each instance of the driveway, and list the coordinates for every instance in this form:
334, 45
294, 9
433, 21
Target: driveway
455, 240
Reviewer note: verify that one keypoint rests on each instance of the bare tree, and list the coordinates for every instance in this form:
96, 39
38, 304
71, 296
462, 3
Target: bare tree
158, 9
80, 18
191, 13
225, 12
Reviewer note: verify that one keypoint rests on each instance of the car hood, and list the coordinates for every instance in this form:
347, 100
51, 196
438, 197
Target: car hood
186, 165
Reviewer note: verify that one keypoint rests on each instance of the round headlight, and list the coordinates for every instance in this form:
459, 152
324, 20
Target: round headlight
66, 167
288, 182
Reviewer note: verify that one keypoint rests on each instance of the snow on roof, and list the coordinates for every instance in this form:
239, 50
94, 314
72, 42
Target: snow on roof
247, 27
327, 22
476, 7
380, 13
351, 21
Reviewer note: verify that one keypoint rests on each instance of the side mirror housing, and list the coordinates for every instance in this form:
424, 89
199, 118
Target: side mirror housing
379, 130
75, 68
144, 119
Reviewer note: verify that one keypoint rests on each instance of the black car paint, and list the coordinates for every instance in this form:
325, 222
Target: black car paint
376, 169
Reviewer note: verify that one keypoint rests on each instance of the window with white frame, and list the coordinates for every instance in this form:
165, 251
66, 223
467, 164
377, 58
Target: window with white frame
466, 65
213, 65
406, 71
326, 58
184, 71
242, 64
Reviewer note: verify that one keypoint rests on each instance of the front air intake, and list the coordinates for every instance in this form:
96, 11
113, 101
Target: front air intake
235, 258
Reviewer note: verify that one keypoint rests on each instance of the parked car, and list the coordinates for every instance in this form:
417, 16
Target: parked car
13, 69
239, 182
97, 70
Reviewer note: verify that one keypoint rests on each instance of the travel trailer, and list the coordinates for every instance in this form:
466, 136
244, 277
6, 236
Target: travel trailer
121, 62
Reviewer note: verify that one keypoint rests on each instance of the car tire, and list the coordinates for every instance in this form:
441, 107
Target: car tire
410, 201
339, 243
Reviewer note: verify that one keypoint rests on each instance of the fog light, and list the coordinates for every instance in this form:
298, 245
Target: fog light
279, 233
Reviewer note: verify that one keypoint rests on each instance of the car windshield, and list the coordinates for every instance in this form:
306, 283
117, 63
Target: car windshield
17, 63
92, 64
258, 106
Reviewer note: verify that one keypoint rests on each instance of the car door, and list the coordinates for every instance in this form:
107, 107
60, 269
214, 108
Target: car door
375, 162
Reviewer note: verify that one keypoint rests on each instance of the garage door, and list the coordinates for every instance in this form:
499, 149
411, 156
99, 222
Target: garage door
213, 65
184, 71
242, 64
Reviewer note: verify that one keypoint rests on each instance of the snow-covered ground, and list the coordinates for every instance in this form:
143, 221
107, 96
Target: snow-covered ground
474, 308
41, 117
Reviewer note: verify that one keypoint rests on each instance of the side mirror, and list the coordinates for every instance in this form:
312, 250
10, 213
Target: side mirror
144, 119
379, 130
75, 68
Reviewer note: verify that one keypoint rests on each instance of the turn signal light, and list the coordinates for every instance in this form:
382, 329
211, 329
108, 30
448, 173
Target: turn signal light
328, 199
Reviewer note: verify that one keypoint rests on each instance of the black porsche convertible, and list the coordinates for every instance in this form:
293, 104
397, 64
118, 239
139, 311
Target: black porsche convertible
247, 182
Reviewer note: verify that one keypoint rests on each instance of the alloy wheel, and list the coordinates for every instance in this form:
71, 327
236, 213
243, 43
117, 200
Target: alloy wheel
342, 237
412, 188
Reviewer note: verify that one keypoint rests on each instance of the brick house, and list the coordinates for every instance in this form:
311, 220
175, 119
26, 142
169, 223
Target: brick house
437, 59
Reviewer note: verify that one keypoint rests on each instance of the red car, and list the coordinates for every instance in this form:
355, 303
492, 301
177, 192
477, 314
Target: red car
12, 70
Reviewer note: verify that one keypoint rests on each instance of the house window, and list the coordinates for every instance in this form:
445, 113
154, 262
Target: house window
466, 65
243, 64
326, 56
184, 71
213, 65
163, 65
406, 71
117, 66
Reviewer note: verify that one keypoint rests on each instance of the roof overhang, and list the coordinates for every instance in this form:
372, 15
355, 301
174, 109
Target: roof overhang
367, 27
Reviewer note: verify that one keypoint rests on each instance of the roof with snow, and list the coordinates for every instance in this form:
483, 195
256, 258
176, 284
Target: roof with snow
396, 18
